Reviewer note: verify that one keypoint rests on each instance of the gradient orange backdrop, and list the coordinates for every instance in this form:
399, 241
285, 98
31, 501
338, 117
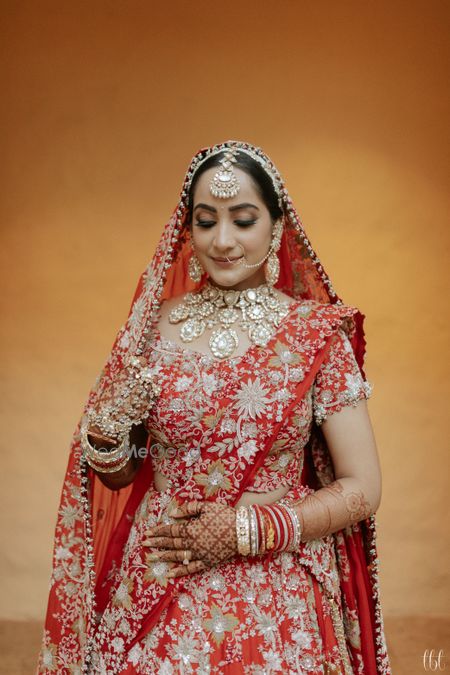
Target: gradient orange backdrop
103, 105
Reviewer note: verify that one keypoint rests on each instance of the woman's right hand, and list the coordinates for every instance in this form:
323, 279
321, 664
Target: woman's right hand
120, 479
99, 440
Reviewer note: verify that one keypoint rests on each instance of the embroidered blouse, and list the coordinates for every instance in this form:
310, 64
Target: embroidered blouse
186, 409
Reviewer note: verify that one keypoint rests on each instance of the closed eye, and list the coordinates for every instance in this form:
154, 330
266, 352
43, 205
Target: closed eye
205, 223
245, 223
210, 223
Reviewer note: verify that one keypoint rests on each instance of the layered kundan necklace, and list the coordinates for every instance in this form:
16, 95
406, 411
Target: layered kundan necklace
258, 310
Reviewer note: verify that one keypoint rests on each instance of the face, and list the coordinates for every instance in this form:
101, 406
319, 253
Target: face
235, 227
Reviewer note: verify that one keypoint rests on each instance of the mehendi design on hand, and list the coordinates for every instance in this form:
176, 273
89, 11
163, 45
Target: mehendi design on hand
358, 506
207, 535
330, 509
213, 534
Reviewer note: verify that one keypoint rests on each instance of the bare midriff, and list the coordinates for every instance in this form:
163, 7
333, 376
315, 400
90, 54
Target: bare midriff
161, 483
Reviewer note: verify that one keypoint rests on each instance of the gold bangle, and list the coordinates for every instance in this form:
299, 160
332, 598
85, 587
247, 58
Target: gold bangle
254, 544
243, 530
101, 461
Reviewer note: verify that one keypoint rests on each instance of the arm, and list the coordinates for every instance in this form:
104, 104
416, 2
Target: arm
120, 479
113, 429
356, 492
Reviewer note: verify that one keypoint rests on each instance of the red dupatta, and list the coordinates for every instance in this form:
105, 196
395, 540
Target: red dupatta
93, 522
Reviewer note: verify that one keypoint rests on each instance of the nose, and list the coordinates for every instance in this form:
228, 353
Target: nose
224, 239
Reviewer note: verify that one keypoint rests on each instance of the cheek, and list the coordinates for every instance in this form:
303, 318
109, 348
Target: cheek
201, 239
257, 239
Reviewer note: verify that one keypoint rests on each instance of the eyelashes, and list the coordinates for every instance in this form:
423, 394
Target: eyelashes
206, 224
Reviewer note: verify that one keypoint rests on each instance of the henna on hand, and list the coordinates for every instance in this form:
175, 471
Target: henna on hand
206, 537
213, 534
331, 508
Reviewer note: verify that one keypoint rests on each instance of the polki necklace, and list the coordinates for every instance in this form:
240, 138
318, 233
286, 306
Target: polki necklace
258, 310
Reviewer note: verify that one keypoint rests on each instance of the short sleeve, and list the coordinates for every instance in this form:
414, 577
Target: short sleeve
339, 381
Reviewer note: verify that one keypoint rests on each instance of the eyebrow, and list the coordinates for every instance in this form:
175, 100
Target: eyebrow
245, 205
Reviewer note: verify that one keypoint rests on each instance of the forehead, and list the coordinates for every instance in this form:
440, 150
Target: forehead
247, 192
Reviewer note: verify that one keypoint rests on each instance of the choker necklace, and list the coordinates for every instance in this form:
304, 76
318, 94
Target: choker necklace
258, 310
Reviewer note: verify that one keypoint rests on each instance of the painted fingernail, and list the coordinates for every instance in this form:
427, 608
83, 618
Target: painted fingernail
153, 556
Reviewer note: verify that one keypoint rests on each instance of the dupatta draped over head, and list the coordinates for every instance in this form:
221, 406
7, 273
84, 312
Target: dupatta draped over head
93, 522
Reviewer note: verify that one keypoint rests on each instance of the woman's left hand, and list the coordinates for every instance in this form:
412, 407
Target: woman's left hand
205, 537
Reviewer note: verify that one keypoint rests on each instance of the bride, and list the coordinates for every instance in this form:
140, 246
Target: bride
217, 514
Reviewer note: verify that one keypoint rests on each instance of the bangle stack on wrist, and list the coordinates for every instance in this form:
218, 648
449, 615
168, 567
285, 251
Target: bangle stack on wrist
101, 459
268, 528
129, 404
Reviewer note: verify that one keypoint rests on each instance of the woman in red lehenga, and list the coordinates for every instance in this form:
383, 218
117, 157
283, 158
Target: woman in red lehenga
217, 514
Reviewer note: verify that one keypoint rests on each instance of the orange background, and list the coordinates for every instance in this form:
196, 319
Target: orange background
104, 103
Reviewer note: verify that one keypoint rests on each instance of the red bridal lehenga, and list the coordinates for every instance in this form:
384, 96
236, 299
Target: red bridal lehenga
219, 428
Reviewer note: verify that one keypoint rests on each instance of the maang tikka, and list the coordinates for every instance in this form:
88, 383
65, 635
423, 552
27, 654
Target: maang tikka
225, 184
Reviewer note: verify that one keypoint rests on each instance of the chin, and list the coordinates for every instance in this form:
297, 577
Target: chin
225, 280
229, 280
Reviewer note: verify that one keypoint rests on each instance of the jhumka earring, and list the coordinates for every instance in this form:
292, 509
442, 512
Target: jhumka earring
272, 266
195, 270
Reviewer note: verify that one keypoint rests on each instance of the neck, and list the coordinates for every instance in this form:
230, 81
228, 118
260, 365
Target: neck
237, 287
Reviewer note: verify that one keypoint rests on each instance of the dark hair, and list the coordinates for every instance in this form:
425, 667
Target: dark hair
262, 181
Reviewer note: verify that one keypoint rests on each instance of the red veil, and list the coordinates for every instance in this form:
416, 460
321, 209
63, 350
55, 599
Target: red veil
93, 522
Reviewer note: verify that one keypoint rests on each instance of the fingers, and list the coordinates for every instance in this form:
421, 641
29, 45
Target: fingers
174, 535
165, 542
180, 555
188, 509
172, 530
183, 570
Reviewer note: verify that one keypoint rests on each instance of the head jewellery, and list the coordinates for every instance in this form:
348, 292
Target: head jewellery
223, 179
225, 183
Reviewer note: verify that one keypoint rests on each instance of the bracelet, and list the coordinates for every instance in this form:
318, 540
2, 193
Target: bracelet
254, 540
270, 529
267, 528
243, 530
295, 543
261, 537
103, 461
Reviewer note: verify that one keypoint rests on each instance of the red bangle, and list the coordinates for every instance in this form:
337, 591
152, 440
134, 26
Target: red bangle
277, 517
